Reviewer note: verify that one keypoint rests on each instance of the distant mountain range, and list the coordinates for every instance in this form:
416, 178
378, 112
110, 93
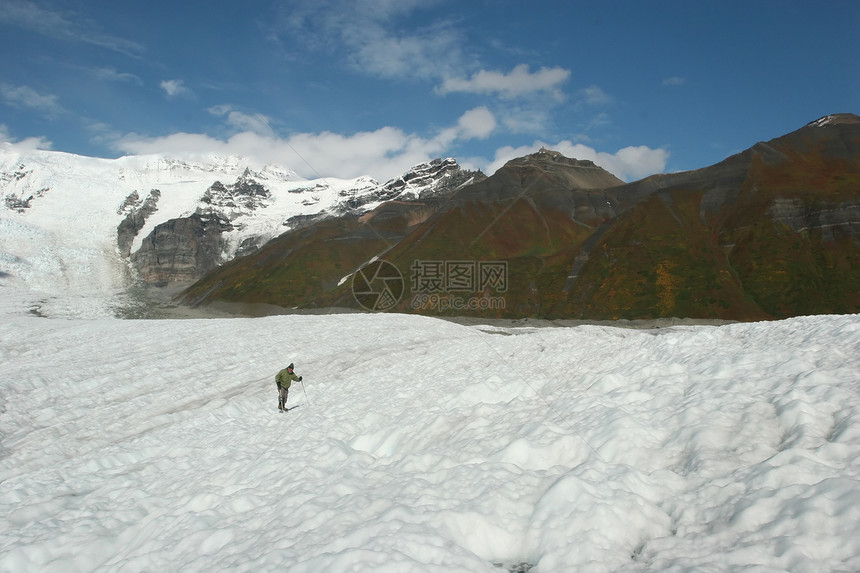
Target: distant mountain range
771, 232
768, 233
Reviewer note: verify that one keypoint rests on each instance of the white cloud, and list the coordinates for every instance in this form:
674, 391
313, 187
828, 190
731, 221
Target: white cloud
31, 143
629, 163
101, 133
634, 162
517, 82
25, 97
222, 109
384, 153
426, 56
176, 88
477, 123
594, 95
27, 144
240, 121
598, 120
674, 81
110, 74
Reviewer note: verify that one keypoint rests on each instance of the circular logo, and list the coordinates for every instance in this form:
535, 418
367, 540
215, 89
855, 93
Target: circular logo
377, 285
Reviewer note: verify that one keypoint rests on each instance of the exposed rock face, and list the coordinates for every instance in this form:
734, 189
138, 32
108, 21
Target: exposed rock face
137, 212
438, 178
831, 219
229, 201
20, 199
20, 204
181, 250
575, 173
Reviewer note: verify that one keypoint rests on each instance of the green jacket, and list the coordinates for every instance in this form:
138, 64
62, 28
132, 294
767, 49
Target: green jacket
285, 378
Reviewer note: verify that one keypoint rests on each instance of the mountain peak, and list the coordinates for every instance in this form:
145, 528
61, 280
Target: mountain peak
437, 177
573, 173
835, 119
550, 156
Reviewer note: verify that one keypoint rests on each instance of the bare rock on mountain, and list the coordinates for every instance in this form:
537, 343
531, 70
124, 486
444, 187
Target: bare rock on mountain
136, 214
181, 250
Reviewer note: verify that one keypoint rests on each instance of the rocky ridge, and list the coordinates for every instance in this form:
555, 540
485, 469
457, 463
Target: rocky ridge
225, 223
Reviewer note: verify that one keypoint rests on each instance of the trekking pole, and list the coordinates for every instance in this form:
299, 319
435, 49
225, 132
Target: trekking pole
306, 393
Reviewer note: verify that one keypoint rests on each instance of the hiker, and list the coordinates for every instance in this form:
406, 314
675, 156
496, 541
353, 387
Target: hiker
284, 378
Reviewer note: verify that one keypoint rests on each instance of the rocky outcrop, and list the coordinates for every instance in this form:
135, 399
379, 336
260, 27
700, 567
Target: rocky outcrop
19, 204
831, 219
240, 198
181, 250
440, 177
136, 214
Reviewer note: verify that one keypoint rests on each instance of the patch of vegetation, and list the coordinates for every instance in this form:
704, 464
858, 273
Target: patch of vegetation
659, 260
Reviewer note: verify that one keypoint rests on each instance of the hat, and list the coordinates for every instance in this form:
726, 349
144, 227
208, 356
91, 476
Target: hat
290, 366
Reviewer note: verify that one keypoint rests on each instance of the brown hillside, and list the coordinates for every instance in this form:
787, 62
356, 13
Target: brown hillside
771, 232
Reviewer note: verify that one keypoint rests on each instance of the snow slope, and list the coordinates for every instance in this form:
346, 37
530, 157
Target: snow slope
421, 445
60, 212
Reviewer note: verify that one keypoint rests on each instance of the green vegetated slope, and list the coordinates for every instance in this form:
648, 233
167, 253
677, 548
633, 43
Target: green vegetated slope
769, 233
660, 260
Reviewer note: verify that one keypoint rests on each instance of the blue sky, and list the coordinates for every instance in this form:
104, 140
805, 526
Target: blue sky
337, 88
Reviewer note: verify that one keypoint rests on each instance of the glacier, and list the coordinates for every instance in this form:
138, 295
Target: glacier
417, 444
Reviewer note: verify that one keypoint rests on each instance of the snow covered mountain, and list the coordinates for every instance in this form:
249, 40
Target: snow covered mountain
92, 226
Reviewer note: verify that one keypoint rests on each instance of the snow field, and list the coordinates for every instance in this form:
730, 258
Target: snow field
428, 446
